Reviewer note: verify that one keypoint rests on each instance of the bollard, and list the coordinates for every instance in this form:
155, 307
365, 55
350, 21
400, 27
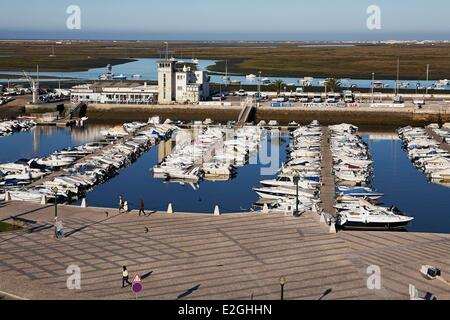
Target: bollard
322, 217
83, 203
216, 211
44, 200
170, 209
265, 208
7, 196
333, 227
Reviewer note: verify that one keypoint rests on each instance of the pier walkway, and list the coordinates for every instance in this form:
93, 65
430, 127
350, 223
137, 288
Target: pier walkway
199, 256
327, 190
245, 115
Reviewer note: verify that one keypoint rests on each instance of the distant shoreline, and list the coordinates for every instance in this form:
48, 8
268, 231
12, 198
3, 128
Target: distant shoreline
320, 59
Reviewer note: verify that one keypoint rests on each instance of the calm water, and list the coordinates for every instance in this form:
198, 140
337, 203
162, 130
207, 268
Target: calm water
146, 67
408, 189
41, 141
395, 176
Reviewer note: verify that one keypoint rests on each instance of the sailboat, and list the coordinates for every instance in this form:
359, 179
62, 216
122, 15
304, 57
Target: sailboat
194, 60
226, 77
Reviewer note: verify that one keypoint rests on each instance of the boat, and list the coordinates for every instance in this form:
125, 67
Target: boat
279, 192
287, 181
25, 195
250, 77
226, 77
217, 169
380, 219
358, 192
119, 77
378, 85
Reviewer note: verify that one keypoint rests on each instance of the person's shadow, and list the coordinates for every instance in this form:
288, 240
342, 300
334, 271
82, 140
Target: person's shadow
145, 276
326, 293
188, 292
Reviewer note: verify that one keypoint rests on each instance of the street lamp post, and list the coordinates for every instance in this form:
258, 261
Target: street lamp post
55, 191
296, 181
259, 85
282, 283
373, 84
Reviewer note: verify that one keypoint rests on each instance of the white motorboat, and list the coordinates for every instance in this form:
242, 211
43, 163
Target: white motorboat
362, 218
217, 169
278, 192
25, 195
287, 181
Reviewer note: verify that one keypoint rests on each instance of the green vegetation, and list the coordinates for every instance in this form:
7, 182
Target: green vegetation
279, 59
333, 85
6, 227
278, 85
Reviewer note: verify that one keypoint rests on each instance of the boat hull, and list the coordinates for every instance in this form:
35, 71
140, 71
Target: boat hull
356, 225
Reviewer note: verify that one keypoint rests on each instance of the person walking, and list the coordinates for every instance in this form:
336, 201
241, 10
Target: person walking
125, 277
125, 207
142, 208
121, 203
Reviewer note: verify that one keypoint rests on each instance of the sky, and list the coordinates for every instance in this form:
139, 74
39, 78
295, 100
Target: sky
225, 20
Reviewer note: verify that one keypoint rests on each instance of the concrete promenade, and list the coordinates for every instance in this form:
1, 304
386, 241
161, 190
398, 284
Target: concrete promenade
194, 256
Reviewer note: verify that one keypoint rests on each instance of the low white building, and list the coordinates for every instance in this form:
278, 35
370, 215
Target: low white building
115, 92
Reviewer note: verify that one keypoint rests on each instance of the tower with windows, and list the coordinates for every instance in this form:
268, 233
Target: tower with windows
166, 81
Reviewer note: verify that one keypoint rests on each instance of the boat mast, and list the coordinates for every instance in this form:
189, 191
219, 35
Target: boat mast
398, 76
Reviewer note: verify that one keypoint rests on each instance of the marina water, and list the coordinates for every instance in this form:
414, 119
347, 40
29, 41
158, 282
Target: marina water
394, 175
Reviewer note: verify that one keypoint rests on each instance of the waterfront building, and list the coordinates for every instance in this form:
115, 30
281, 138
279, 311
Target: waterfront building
181, 85
175, 85
115, 92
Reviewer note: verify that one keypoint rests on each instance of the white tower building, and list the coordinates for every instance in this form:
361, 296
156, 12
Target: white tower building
166, 81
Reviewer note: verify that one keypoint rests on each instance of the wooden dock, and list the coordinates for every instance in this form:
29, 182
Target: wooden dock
229, 257
58, 123
328, 188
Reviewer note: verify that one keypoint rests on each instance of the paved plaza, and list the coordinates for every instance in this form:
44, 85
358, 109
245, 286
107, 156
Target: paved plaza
194, 256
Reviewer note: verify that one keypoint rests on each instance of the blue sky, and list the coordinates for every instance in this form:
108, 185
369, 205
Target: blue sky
226, 20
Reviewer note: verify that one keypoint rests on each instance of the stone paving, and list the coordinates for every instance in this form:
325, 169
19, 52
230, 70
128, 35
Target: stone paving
194, 256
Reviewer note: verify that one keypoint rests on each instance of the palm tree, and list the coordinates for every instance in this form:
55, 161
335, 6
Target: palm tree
333, 85
279, 85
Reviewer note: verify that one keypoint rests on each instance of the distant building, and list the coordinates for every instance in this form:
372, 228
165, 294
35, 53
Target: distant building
115, 92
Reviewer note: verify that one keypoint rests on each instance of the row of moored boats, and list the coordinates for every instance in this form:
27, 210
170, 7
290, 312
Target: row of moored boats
212, 153
299, 177
426, 153
80, 168
356, 203
9, 127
